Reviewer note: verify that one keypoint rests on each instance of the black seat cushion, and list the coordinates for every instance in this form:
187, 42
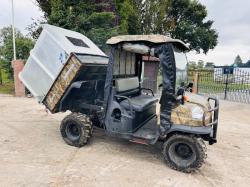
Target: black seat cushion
139, 103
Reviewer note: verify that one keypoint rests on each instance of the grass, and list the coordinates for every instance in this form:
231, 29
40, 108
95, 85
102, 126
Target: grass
7, 86
5, 77
220, 87
208, 84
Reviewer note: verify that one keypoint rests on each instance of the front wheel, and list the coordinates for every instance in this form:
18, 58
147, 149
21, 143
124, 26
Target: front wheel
76, 129
184, 153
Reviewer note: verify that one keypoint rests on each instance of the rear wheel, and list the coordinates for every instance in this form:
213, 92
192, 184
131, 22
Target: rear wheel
76, 129
184, 153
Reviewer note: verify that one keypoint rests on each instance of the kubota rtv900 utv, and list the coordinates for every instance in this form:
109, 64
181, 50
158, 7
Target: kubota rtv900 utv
123, 108
107, 93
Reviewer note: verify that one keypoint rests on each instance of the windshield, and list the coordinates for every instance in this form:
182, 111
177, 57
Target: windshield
152, 72
181, 68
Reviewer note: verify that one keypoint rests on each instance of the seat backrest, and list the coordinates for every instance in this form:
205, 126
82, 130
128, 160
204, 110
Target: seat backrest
127, 85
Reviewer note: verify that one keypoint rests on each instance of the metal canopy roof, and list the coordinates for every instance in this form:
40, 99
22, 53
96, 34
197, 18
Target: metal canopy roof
156, 39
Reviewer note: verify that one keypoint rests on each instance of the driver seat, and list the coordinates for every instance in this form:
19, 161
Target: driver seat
130, 88
139, 103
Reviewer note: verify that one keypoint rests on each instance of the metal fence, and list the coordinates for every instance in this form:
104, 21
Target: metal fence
225, 83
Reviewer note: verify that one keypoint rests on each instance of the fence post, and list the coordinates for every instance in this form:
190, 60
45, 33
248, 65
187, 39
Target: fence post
195, 84
225, 96
17, 66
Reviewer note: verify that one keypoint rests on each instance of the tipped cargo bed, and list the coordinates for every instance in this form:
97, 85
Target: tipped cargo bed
49, 56
75, 69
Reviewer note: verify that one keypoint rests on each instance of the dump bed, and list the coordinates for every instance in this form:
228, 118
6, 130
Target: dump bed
78, 68
48, 59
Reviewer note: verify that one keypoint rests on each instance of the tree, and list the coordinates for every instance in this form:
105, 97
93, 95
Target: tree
101, 19
154, 20
183, 19
188, 21
238, 61
209, 65
35, 28
23, 47
95, 19
200, 64
192, 65
247, 64
129, 17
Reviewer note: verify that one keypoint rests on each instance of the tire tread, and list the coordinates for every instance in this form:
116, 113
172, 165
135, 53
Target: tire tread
85, 125
201, 149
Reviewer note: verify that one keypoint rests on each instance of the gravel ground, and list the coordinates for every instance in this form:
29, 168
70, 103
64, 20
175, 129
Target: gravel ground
32, 153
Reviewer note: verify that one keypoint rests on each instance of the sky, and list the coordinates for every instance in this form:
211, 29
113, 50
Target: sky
231, 20
25, 10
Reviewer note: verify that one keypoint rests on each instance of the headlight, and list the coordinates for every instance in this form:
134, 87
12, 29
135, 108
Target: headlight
197, 113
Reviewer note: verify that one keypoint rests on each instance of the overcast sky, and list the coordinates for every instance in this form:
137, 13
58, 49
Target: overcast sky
232, 21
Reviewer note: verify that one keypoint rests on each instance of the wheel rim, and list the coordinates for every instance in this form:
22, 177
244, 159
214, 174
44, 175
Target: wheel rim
182, 154
72, 131
183, 151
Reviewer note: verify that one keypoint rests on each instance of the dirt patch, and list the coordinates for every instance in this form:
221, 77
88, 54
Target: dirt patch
32, 153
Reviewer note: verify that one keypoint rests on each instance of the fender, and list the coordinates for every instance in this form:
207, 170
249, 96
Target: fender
191, 129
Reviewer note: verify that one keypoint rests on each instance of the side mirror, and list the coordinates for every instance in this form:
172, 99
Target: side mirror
182, 84
189, 87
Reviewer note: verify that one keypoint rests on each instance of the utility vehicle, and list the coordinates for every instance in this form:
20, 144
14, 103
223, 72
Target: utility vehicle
107, 93
124, 109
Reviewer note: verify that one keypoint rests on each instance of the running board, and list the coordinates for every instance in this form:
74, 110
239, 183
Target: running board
147, 134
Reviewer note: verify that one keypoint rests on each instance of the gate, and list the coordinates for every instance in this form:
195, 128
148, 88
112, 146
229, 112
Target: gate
225, 83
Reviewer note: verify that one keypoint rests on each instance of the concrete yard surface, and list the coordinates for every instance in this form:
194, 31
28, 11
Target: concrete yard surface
32, 153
